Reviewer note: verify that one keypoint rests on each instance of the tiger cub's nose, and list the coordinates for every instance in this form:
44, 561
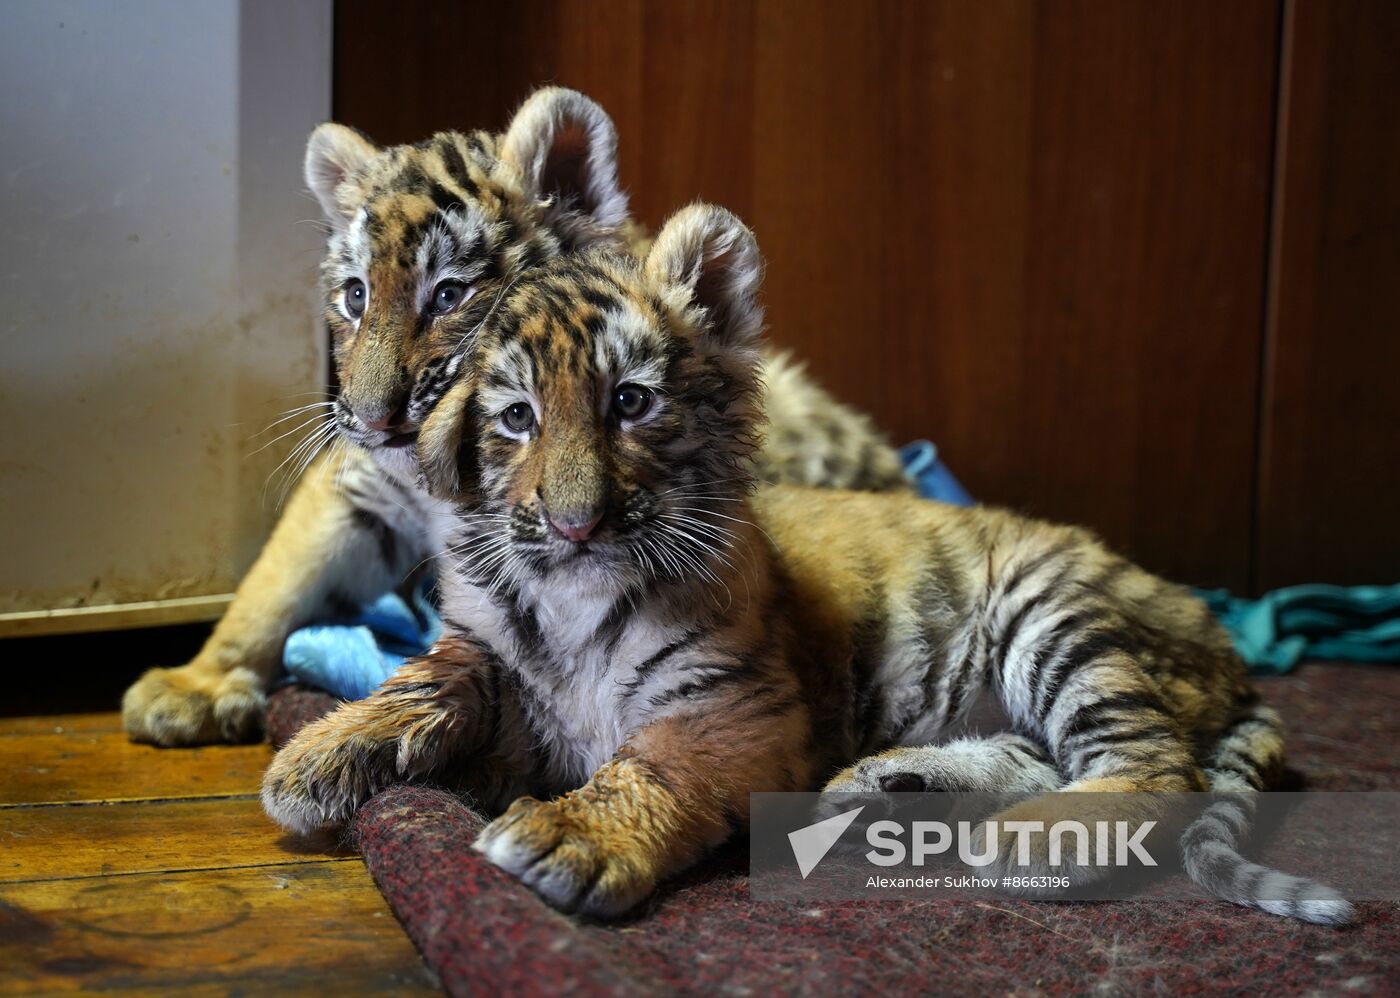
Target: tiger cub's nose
384, 417
576, 530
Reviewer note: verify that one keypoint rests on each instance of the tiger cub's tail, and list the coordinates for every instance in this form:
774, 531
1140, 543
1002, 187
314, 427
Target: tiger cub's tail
1242, 762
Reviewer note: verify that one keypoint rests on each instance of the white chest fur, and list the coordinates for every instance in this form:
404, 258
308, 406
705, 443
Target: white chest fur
575, 658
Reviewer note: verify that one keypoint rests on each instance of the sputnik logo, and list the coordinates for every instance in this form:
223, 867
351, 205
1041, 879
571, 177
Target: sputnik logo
811, 843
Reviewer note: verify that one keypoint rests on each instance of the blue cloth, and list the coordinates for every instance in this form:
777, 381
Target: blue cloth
931, 475
351, 658
1281, 628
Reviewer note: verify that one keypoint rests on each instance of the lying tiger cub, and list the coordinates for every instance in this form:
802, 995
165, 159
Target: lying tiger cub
639, 639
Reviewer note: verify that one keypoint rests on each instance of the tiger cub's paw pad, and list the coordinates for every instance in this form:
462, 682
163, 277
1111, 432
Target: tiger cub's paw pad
194, 706
911, 770
879, 775
568, 856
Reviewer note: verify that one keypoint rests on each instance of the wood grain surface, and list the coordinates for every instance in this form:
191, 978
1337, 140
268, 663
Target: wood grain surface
126, 868
1036, 233
1330, 458
65, 765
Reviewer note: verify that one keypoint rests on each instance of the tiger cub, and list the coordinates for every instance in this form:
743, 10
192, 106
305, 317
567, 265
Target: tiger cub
636, 639
424, 239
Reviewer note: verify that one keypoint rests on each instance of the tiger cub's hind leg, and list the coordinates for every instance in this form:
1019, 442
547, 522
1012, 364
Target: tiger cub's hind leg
340, 543
1114, 671
1122, 751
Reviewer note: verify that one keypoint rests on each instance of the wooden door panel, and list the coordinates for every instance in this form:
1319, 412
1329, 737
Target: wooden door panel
1033, 232
1330, 466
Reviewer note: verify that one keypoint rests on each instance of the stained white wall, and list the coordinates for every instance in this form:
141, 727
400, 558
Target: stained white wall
157, 272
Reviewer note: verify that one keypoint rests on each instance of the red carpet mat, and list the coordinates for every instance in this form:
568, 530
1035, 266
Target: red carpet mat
485, 934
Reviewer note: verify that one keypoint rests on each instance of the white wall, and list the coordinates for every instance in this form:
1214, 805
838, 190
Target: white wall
157, 273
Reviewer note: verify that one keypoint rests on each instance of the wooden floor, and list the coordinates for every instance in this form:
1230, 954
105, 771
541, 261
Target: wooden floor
128, 867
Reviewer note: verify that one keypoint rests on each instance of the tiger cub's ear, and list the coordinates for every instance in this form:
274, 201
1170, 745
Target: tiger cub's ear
335, 153
564, 147
446, 461
710, 257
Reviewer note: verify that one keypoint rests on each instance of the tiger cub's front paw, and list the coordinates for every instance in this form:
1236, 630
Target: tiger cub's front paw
323, 775
194, 705
571, 854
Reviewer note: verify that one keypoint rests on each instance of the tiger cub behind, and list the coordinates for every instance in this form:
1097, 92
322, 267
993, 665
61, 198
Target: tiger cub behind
637, 640
422, 240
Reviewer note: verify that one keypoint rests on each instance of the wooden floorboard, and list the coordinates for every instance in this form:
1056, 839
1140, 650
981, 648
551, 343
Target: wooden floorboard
129, 868
57, 724
300, 928
45, 843
93, 766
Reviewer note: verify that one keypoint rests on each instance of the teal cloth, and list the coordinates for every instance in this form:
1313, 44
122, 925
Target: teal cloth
1341, 623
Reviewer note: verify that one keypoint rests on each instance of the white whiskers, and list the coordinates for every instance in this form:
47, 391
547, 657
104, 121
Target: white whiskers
317, 422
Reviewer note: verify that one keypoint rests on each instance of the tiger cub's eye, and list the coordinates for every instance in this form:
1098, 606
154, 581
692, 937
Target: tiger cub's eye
448, 296
518, 418
632, 401
356, 295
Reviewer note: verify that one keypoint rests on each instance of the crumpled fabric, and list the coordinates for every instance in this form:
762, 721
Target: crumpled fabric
350, 658
1333, 623
931, 476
